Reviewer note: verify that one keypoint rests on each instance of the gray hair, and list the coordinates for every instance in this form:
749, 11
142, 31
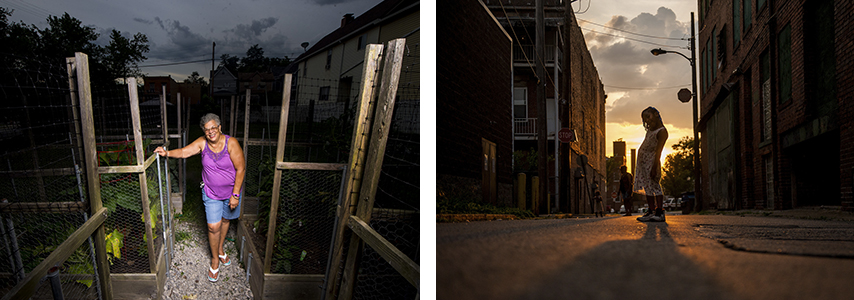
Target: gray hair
207, 118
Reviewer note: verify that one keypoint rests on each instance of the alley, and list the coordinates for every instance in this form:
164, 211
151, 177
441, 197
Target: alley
688, 257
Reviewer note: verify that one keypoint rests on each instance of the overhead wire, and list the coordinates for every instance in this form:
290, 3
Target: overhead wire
646, 89
635, 33
633, 39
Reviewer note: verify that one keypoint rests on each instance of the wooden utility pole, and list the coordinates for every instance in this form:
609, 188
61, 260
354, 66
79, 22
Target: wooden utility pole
565, 107
542, 128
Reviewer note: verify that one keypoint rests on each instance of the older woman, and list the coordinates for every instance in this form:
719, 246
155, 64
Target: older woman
223, 168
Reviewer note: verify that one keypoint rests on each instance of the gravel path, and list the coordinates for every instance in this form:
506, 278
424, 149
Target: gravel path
188, 272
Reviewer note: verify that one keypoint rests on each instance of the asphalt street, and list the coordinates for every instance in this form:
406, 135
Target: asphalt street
687, 257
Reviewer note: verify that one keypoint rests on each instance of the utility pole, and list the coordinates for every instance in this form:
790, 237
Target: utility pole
542, 128
698, 192
213, 54
566, 107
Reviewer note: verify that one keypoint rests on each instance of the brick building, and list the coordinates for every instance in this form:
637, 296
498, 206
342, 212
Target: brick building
582, 110
776, 84
474, 88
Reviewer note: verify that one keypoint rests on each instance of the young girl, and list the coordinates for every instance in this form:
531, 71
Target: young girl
648, 172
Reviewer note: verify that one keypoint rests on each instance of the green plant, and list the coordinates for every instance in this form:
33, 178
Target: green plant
80, 263
284, 250
115, 242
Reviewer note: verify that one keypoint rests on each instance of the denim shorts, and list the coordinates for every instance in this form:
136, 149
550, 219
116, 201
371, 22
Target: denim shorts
216, 210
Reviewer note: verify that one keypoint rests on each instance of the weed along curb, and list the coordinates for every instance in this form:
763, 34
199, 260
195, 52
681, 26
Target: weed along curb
473, 217
490, 217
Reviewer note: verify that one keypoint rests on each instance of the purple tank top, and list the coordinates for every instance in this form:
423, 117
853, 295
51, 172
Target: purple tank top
218, 172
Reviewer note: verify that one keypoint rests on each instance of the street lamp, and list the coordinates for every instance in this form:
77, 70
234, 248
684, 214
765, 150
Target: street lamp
698, 203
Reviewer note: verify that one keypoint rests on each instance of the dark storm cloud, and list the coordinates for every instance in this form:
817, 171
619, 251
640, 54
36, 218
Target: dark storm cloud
328, 2
183, 42
256, 28
143, 21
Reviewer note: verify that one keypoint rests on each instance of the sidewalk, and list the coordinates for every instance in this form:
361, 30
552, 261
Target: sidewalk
826, 213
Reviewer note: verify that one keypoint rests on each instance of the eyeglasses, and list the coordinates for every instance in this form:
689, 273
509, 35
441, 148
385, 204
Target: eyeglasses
212, 129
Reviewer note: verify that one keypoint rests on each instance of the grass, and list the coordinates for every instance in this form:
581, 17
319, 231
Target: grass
468, 206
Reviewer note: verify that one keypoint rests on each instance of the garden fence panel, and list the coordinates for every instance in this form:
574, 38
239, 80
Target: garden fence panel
42, 184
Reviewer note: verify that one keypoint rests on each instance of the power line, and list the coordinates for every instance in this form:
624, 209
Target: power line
635, 33
646, 89
633, 39
177, 63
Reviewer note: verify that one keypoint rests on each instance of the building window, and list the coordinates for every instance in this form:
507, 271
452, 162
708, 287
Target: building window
759, 4
765, 79
784, 46
748, 11
151, 87
769, 181
736, 22
324, 94
328, 58
714, 57
520, 103
363, 40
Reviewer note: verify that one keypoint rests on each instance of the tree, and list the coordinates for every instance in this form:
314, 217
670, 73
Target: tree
66, 35
196, 78
122, 55
229, 62
678, 171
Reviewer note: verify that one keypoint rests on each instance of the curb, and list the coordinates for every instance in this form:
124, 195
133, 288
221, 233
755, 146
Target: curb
473, 217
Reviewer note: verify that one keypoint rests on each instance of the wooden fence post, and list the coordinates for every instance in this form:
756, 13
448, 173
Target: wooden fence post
140, 161
393, 57
246, 118
521, 191
81, 63
353, 180
277, 174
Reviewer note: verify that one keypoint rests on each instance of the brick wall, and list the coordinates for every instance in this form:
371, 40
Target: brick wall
798, 115
474, 93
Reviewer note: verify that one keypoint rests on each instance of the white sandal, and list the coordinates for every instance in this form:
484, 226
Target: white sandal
224, 257
214, 272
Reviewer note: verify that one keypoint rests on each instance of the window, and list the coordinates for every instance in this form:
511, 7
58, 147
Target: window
765, 80
714, 57
324, 94
769, 181
759, 4
363, 40
784, 46
328, 58
736, 22
520, 103
747, 12
721, 49
151, 87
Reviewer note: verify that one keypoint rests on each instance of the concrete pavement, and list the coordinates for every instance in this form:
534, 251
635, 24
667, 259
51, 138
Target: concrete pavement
688, 257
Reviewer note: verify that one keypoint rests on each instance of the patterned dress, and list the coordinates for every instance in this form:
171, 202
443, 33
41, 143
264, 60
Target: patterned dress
645, 185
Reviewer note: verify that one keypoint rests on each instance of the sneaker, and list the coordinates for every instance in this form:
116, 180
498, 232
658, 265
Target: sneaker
646, 217
657, 218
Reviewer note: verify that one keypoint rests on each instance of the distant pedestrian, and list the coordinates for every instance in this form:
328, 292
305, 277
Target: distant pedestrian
648, 172
626, 181
597, 204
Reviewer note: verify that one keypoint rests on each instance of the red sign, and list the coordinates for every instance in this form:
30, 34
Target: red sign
684, 95
614, 195
566, 135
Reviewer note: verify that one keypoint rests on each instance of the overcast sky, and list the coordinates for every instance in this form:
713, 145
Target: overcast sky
180, 31
626, 63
